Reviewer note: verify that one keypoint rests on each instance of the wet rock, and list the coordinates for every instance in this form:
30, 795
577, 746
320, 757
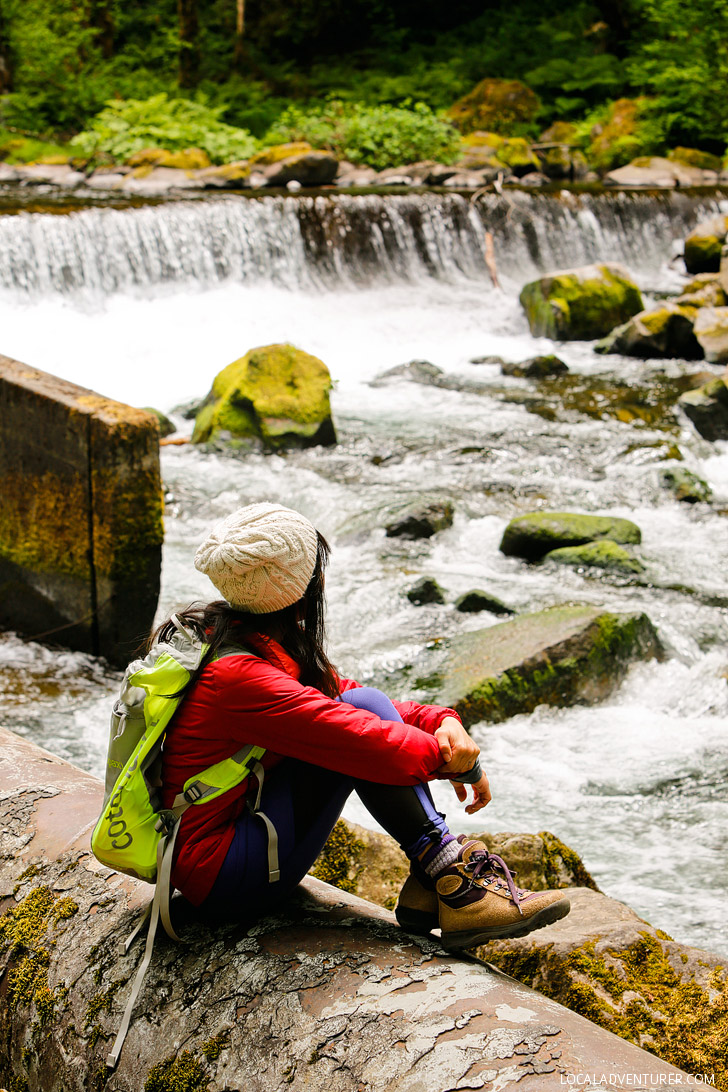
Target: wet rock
703, 245
609, 965
189, 410
425, 591
276, 396
494, 104
536, 367
157, 180
473, 180
562, 656
581, 303
653, 171
105, 180
311, 168
228, 176
372, 866
166, 427
705, 290
539, 533
473, 602
417, 371
597, 555
422, 522
487, 360
685, 485
711, 331
707, 408
666, 331
534, 179
350, 175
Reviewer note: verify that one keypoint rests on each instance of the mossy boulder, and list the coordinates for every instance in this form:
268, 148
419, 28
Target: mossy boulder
704, 244
277, 396
516, 153
503, 106
605, 555
480, 150
705, 290
707, 408
582, 303
229, 175
425, 591
711, 331
562, 656
371, 865
166, 427
621, 134
190, 159
278, 152
665, 331
307, 168
685, 485
473, 602
536, 367
615, 969
422, 522
694, 157
538, 533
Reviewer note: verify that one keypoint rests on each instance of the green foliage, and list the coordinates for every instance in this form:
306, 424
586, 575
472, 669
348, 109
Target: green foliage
379, 136
616, 132
125, 127
682, 57
17, 148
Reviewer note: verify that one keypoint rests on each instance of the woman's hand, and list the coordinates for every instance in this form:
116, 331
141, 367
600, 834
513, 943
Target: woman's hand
481, 794
457, 750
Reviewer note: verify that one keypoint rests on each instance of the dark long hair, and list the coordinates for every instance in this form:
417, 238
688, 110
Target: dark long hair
299, 628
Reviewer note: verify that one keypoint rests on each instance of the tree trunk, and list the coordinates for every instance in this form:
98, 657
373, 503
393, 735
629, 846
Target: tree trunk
189, 53
327, 994
102, 20
239, 51
6, 74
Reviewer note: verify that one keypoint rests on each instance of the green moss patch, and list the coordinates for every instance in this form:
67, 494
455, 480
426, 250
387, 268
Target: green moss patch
338, 863
539, 533
183, 1074
601, 555
580, 304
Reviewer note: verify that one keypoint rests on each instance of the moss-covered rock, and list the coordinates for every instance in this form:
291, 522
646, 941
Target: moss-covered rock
422, 522
230, 175
536, 367
517, 155
276, 395
425, 591
539, 533
480, 149
278, 152
503, 106
473, 602
694, 157
190, 159
562, 656
166, 427
597, 555
711, 332
685, 485
609, 965
704, 244
707, 408
621, 134
665, 331
704, 291
310, 168
582, 303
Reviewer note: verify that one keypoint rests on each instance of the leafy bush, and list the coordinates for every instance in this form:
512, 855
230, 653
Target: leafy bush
378, 136
16, 147
127, 126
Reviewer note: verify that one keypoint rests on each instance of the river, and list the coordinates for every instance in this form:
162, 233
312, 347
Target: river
146, 305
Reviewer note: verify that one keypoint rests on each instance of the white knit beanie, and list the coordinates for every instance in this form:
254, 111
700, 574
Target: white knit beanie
260, 558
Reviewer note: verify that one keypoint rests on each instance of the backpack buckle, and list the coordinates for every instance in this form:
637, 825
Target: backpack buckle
193, 793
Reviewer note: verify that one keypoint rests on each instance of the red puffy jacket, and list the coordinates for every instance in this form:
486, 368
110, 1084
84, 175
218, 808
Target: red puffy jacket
251, 699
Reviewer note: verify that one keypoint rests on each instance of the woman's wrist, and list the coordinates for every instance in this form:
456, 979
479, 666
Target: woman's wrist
470, 777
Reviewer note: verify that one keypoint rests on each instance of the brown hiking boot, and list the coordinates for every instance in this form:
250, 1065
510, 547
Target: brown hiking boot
480, 902
417, 909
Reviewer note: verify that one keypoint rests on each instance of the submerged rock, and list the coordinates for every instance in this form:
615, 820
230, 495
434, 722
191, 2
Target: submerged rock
582, 303
276, 395
539, 533
666, 331
711, 331
473, 602
685, 485
707, 408
422, 522
597, 555
425, 591
562, 656
536, 367
609, 965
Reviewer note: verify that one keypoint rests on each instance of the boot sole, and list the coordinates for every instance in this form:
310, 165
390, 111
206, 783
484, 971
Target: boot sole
418, 922
472, 937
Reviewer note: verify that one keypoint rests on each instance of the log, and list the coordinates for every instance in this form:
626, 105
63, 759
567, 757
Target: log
327, 994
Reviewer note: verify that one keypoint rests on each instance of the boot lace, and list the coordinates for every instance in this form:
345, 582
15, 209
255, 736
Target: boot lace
482, 863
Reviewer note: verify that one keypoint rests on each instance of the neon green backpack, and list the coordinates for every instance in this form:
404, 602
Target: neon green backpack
134, 834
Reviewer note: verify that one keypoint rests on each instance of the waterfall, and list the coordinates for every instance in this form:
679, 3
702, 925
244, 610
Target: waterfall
299, 242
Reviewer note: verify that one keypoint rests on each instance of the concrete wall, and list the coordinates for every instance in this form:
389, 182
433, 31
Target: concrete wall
80, 514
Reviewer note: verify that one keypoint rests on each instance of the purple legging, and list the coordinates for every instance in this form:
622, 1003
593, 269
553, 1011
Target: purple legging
304, 802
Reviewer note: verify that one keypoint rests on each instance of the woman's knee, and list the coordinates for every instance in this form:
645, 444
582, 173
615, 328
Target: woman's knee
373, 700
